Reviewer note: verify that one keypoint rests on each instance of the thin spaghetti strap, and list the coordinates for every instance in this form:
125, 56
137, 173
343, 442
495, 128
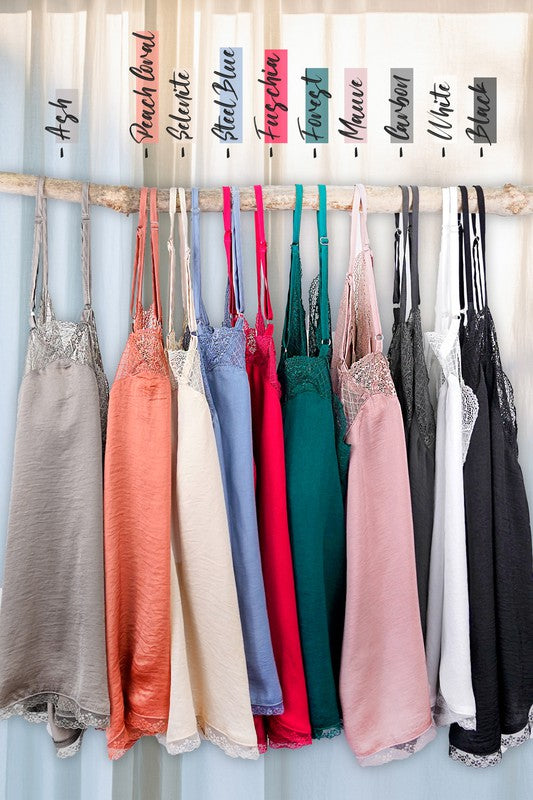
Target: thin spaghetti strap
453, 267
355, 227
376, 335
199, 307
400, 281
154, 242
294, 338
441, 294
343, 344
172, 194
323, 301
413, 249
466, 252
236, 252
363, 216
476, 264
297, 214
185, 258
40, 250
85, 246
480, 273
230, 311
138, 264
264, 306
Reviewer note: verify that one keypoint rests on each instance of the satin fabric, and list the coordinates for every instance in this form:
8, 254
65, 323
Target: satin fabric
409, 373
209, 682
223, 359
383, 680
52, 630
500, 576
137, 486
292, 728
447, 632
316, 462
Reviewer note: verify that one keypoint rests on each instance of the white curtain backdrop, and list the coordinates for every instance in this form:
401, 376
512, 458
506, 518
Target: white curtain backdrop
86, 45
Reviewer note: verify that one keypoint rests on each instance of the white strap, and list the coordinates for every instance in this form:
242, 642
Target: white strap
185, 260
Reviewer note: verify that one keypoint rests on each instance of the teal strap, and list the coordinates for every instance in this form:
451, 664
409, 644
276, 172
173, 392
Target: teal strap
294, 340
323, 244
297, 214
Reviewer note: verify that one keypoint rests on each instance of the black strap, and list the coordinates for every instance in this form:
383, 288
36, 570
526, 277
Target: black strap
465, 259
413, 248
398, 295
410, 235
480, 276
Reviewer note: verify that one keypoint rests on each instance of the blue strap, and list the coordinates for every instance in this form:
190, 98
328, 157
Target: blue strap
237, 250
199, 308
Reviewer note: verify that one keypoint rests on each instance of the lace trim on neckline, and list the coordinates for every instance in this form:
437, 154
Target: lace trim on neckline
399, 751
410, 375
222, 347
450, 364
366, 377
492, 759
52, 340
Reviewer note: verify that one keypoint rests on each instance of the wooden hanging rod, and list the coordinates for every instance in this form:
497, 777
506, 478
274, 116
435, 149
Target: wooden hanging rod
504, 200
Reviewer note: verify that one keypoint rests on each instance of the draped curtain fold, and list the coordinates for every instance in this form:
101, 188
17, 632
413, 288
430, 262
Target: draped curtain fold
47, 45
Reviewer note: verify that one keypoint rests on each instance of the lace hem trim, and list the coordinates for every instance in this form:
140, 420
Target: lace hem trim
186, 745
473, 760
66, 750
492, 759
68, 747
132, 732
210, 734
229, 746
398, 751
69, 750
267, 711
290, 744
34, 709
443, 715
328, 733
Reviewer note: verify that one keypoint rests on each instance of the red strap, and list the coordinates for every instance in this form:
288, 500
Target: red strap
263, 294
138, 264
226, 216
154, 242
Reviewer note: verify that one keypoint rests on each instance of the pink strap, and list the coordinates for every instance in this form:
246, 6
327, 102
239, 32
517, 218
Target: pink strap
264, 305
376, 336
226, 216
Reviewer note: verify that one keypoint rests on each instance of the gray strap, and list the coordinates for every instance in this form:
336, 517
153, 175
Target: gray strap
40, 239
85, 245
